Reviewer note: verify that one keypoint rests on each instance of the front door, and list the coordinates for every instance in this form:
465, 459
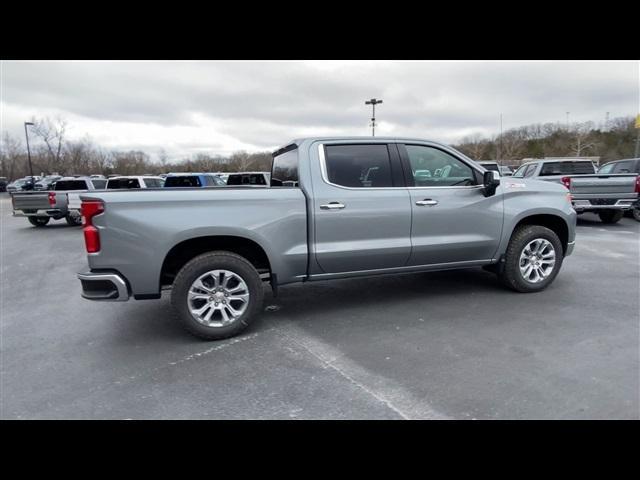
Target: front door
452, 220
362, 209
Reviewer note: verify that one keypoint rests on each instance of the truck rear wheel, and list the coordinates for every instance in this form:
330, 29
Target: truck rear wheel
38, 221
533, 259
217, 295
636, 213
610, 216
73, 220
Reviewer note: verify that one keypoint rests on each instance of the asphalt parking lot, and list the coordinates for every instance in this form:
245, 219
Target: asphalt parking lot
440, 345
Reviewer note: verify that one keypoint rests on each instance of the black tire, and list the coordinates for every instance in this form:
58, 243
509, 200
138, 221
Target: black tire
636, 213
219, 260
38, 221
611, 216
73, 220
511, 276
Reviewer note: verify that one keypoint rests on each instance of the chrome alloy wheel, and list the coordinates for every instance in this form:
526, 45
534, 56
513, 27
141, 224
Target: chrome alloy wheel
537, 260
218, 298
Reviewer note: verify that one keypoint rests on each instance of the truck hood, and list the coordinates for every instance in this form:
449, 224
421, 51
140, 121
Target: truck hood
510, 184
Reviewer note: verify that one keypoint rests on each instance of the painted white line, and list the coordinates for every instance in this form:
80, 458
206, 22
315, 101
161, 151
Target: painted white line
395, 397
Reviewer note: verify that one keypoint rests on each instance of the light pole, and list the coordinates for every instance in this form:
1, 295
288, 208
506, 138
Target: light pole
568, 120
373, 102
26, 134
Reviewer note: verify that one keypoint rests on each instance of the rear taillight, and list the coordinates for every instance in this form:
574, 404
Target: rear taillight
52, 199
90, 209
566, 181
638, 184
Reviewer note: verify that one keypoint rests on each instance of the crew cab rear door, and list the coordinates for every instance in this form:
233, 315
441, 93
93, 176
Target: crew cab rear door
453, 221
361, 207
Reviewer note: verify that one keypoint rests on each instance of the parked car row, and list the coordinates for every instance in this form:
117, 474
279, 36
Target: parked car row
56, 197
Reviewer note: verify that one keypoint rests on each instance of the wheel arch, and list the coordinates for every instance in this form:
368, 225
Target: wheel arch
186, 250
555, 223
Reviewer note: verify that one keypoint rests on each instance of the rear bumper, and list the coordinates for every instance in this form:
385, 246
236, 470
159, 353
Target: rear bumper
584, 205
104, 286
49, 212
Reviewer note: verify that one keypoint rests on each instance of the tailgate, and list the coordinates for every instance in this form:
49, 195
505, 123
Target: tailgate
73, 200
603, 184
31, 201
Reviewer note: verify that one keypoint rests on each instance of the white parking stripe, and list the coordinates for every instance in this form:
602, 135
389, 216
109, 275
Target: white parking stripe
398, 399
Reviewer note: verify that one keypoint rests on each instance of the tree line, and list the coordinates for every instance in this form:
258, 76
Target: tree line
613, 141
52, 152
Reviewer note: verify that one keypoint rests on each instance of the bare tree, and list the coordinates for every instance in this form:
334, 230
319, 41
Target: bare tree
52, 133
582, 142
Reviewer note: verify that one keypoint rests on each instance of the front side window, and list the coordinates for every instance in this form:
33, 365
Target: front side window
432, 167
358, 166
531, 169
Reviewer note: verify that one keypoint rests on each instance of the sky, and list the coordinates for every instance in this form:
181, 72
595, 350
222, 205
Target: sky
218, 107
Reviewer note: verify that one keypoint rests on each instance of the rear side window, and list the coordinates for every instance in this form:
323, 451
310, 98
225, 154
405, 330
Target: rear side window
358, 166
70, 185
623, 167
118, 183
567, 168
183, 181
284, 170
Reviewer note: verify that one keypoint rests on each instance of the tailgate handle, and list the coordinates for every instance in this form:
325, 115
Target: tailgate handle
427, 202
332, 206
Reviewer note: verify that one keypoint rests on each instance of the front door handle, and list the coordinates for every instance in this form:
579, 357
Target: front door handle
427, 202
332, 206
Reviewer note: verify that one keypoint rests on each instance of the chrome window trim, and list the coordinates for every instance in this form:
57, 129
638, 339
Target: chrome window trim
325, 176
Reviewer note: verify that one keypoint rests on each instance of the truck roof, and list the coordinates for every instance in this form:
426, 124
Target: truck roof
299, 141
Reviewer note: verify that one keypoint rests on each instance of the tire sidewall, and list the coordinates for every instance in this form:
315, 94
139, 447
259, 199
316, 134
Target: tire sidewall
203, 264
39, 221
512, 262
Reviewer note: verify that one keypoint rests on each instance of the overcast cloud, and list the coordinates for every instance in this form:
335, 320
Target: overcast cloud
220, 107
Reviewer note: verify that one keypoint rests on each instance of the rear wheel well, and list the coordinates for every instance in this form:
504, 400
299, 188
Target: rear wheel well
184, 251
552, 222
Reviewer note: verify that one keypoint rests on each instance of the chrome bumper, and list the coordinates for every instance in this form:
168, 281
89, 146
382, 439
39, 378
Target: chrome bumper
106, 287
581, 205
50, 212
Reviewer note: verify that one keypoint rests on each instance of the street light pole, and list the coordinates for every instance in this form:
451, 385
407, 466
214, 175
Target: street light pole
373, 102
26, 134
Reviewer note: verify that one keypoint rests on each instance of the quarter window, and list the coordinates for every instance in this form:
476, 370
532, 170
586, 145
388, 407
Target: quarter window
358, 166
432, 167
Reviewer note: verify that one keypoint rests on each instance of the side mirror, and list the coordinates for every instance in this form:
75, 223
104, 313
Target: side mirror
491, 180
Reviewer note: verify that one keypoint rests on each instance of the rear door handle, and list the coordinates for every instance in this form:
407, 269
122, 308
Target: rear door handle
332, 206
427, 202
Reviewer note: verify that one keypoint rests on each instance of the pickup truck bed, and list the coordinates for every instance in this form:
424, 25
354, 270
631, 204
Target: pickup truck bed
336, 208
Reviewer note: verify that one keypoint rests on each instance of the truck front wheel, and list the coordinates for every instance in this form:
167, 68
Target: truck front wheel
217, 295
610, 216
533, 259
38, 221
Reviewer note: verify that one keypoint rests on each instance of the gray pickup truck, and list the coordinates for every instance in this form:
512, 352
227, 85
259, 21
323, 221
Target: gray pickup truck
358, 209
62, 202
608, 195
